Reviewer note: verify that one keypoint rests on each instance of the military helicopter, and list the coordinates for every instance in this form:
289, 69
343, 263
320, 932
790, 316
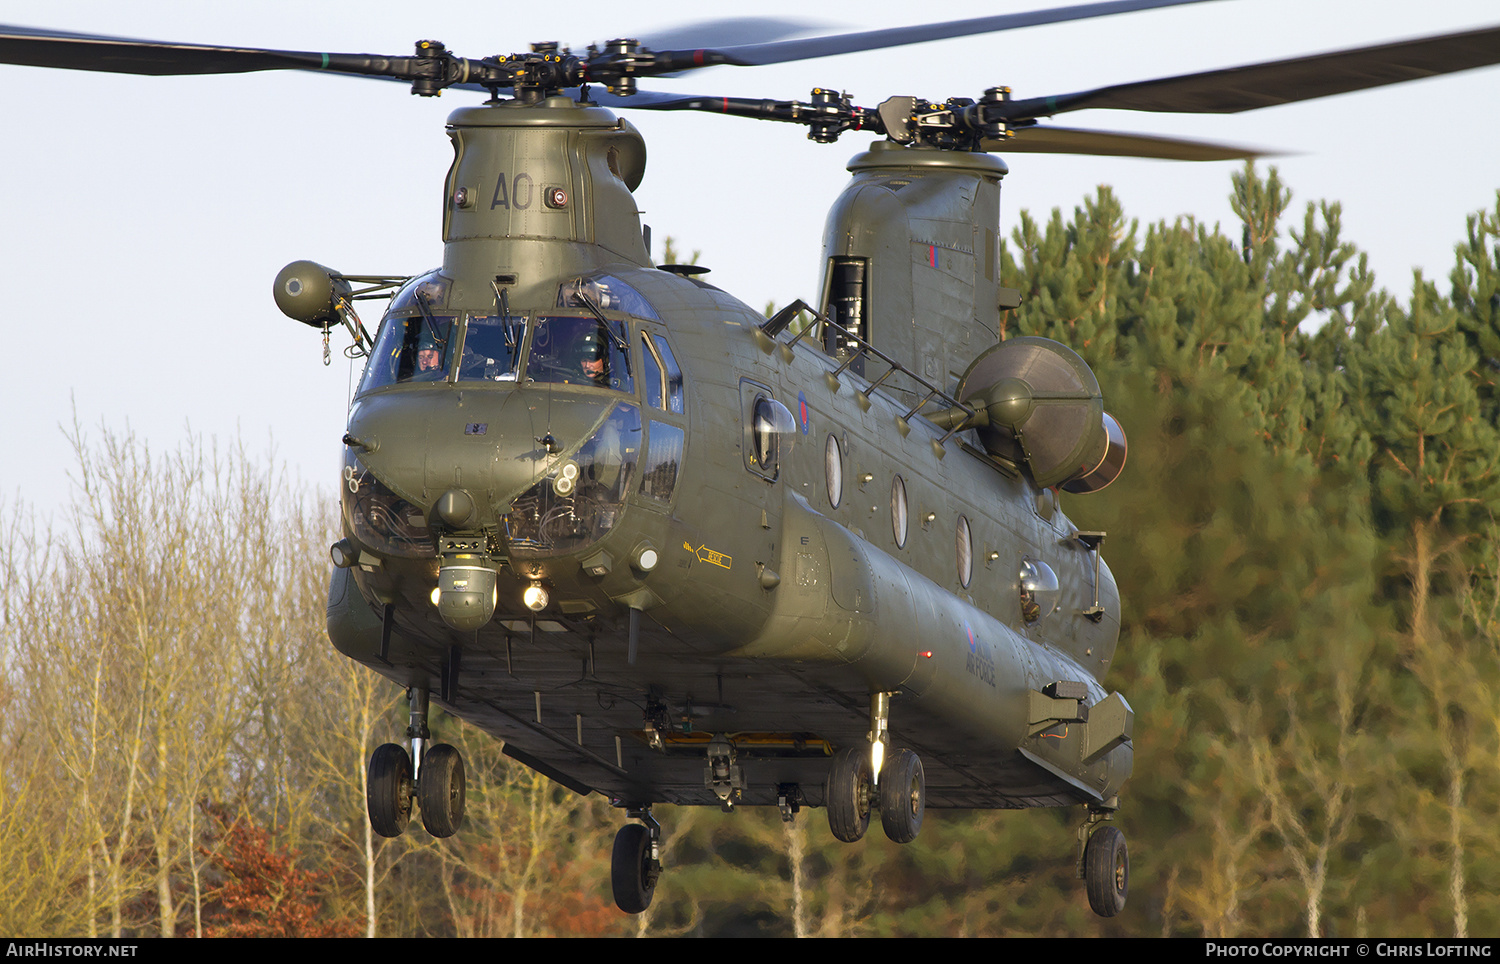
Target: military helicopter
671, 550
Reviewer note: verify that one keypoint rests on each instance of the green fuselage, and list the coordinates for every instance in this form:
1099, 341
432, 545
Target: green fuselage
764, 560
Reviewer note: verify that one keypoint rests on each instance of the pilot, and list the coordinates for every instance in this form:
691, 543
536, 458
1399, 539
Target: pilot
592, 362
429, 364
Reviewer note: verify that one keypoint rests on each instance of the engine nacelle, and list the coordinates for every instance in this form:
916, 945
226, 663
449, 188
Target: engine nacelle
1042, 407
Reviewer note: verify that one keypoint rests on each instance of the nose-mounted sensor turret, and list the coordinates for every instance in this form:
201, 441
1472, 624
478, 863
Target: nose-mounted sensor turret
466, 591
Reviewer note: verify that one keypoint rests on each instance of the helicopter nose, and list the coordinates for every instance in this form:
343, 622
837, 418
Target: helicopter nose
492, 445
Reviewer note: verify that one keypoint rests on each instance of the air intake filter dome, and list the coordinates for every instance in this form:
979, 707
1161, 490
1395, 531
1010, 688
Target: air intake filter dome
1045, 410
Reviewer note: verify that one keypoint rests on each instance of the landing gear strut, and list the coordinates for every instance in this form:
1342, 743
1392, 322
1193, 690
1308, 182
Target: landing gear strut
435, 778
636, 863
1104, 863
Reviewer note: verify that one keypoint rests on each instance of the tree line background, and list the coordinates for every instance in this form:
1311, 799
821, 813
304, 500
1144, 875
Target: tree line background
1305, 540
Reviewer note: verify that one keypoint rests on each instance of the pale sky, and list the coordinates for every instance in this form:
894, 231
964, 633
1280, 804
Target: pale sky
145, 218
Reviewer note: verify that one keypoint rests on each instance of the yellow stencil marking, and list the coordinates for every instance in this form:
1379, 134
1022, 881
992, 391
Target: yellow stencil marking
706, 554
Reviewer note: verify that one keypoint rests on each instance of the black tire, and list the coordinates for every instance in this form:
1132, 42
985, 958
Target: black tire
441, 789
388, 790
903, 796
848, 793
630, 873
1106, 871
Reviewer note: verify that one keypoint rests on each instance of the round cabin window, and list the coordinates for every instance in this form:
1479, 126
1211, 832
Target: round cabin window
833, 466
898, 511
965, 547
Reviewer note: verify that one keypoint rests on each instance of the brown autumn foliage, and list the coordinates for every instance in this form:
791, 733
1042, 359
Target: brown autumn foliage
261, 892
575, 906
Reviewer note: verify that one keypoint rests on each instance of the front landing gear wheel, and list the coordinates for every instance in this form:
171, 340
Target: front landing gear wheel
441, 786
848, 794
1106, 870
388, 790
633, 871
903, 796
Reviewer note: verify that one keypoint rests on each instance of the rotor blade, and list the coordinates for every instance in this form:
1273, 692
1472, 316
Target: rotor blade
725, 32
1027, 140
640, 100
33, 47
728, 32
29, 47
1235, 89
751, 55
1072, 140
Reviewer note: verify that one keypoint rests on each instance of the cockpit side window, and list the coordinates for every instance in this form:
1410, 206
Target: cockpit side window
661, 390
580, 351
410, 350
663, 378
674, 376
655, 384
492, 345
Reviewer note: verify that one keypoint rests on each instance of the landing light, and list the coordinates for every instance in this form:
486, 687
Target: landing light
535, 597
645, 557
343, 554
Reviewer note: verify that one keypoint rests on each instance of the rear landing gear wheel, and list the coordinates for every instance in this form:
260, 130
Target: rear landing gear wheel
1106, 870
903, 796
441, 788
633, 870
388, 790
848, 794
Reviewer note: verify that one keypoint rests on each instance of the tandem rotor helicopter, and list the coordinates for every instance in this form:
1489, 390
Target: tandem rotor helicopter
671, 550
